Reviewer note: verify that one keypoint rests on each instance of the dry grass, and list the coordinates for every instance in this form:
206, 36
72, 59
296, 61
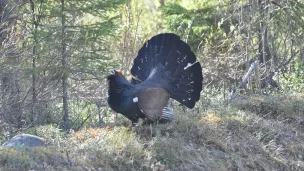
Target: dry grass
258, 133
34, 159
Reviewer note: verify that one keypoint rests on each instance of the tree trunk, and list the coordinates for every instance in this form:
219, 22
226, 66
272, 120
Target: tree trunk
260, 33
248, 44
34, 92
65, 73
263, 32
257, 77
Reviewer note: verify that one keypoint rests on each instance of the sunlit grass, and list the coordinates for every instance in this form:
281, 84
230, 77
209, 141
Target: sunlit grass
245, 136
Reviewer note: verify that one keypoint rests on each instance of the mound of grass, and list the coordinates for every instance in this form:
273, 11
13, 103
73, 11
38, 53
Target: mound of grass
213, 140
258, 133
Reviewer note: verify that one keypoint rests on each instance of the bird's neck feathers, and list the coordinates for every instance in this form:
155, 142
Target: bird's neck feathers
120, 90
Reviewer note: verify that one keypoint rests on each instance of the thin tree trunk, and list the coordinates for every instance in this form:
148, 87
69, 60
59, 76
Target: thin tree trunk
34, 92
260, 30
257, 77
65, 73
248, 43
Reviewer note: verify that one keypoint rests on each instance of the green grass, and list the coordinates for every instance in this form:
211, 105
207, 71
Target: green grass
255, 133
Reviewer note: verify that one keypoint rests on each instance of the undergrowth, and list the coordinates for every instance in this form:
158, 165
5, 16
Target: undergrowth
255, 133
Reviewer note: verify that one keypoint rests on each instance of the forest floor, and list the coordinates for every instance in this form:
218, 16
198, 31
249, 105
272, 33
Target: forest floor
255, 133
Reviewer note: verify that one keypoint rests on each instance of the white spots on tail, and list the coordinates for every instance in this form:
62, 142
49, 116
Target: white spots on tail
189, 65
135, 99
184, 58
184, 100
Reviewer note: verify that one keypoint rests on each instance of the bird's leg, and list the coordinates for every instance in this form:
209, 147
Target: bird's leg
146, 121
134, 124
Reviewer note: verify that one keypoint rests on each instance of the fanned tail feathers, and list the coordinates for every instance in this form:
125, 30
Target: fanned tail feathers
178, 60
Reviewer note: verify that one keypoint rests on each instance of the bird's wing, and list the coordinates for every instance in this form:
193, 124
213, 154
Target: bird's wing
153, 103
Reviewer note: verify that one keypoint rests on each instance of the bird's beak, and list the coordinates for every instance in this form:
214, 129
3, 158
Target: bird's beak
112, 72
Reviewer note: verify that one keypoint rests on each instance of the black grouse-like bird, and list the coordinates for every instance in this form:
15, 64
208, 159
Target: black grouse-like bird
164, 68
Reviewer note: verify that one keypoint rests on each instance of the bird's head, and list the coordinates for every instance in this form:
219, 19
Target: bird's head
115, 74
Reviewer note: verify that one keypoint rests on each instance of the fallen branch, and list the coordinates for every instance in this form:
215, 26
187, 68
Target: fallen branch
244, 81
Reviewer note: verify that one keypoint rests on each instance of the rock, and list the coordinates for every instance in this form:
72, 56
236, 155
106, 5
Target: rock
24, 140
